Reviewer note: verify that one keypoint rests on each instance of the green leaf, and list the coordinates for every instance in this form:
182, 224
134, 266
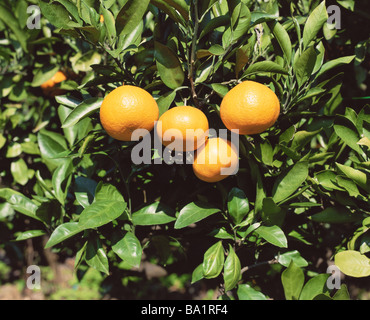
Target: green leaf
347, 131
181, 6
292, 279
304, 65
285, 259
335, 63
232, 270
353, 263
100, 213
264, 67
314, 23
83, 110
23, 205
246, 292
342, 293
57, 15
107, 192
282, 38
153, 214
19, 171
12, 22
272, 214
96, 257
302, 138
288, 182
85, 191
63, 232
273, 235
237, 205
51, 144
197, 274
72, 9
359, 177
109, 22
169, 66
44, 74
214, 24
130, 15
14, 150
60, 175
164, 102
169, 10
213, 261
30, 234
128, 248
336, 215
314, 287
242, 21
68, 101
194, 212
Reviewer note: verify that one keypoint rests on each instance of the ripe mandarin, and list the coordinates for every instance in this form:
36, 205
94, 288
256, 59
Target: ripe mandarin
184, 127
126, 109
215, 156
250, 107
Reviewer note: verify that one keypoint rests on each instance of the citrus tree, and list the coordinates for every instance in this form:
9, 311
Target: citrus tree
68, 176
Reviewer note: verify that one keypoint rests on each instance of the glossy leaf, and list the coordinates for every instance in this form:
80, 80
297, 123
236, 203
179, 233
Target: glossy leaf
238, 205
130, 15
304, 65
96, 256
194, 212
314, 23
292, 279
232, 270
63, 232
128, 248
314, 287
282, 38
213, 261
264, 67
358, 176
153, 214
353, 263
169, 66
83, 110
246, 292
288, 182
336, 215
100, 213
30, 234
273, 235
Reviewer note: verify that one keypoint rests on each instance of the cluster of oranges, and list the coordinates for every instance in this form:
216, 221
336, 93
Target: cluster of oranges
249, 108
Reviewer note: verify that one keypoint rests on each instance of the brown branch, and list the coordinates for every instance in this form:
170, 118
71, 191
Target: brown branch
269, 262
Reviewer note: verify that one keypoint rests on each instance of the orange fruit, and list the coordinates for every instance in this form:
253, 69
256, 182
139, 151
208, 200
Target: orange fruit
250, 107
101, 20
213, 157
48, 86
184, 126
126, 109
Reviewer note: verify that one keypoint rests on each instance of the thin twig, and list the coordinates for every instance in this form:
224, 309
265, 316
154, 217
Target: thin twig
269, 262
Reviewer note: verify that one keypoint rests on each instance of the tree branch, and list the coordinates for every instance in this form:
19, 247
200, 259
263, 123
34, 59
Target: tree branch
269, 262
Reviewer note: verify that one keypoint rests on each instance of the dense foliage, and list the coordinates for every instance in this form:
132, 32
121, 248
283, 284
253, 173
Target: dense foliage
300, 200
